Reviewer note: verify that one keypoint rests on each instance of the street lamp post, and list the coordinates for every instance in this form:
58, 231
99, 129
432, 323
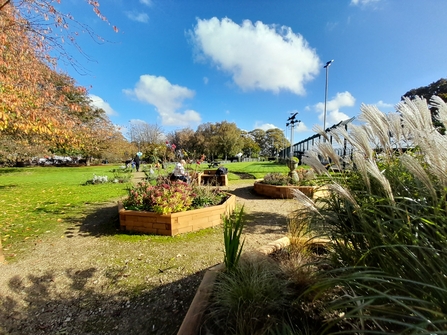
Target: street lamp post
325, 93
291, 123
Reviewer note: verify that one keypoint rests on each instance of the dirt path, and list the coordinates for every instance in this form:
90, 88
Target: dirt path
86, 282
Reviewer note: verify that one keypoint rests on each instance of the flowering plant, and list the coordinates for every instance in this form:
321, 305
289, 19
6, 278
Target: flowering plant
170, 197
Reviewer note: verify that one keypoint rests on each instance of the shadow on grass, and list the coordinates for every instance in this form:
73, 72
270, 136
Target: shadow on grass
243, 175
36, 305
9, 170
101, 220
8, 186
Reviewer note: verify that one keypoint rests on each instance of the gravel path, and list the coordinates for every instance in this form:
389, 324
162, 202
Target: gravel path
87, 282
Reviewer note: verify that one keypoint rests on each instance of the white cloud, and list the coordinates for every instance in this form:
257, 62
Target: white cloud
205, 80
139, 17
258, 56
301, 128
333, 114
146, 2
362, 2
137, 121
381, 104
264, 126
167, 98
98, 102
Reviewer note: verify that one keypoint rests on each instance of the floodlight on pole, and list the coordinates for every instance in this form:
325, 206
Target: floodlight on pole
291, 122
325, 93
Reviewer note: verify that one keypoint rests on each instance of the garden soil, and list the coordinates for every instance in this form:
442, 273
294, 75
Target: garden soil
84, 281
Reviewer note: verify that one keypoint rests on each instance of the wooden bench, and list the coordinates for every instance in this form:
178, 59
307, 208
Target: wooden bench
210, 177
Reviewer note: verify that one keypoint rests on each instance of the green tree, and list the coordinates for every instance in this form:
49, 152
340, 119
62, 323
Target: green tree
275, 141
228, 137
249, 147
206, 140
260, 138
185, 141
438, 88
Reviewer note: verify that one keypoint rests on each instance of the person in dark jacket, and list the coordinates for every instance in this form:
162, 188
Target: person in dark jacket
137, 162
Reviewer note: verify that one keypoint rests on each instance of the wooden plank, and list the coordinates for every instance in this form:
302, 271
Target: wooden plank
203, 226
185, 229
162, 226
164, 232
149, 219
199, 222
184, 223
193, 319
146, 230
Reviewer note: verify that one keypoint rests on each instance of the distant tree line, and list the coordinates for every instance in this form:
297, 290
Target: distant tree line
220, 140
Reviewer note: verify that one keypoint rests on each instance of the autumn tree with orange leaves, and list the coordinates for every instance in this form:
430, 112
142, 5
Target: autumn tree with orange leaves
40, 108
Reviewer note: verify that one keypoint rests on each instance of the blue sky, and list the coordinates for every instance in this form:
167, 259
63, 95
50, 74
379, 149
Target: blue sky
180, 63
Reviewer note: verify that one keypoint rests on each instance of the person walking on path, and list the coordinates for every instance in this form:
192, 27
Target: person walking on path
137, 162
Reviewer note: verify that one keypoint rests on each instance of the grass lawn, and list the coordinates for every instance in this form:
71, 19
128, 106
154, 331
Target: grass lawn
35, 202
256, 169
39, 202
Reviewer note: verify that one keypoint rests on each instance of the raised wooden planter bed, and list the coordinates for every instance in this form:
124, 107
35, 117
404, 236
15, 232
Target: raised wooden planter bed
210, 177
176, 223
281, 192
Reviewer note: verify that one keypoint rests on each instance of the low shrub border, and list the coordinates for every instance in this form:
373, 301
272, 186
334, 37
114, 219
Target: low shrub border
174, 223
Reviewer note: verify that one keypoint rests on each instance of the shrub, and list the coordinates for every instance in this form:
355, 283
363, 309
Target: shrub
169, 197
207, 196
276, 178
305, 177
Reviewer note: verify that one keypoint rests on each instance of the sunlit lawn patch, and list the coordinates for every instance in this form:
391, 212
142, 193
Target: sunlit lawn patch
36, 201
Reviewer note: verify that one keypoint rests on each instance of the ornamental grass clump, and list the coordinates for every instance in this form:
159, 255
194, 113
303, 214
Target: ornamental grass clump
167, 197
250, 299
387, 219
